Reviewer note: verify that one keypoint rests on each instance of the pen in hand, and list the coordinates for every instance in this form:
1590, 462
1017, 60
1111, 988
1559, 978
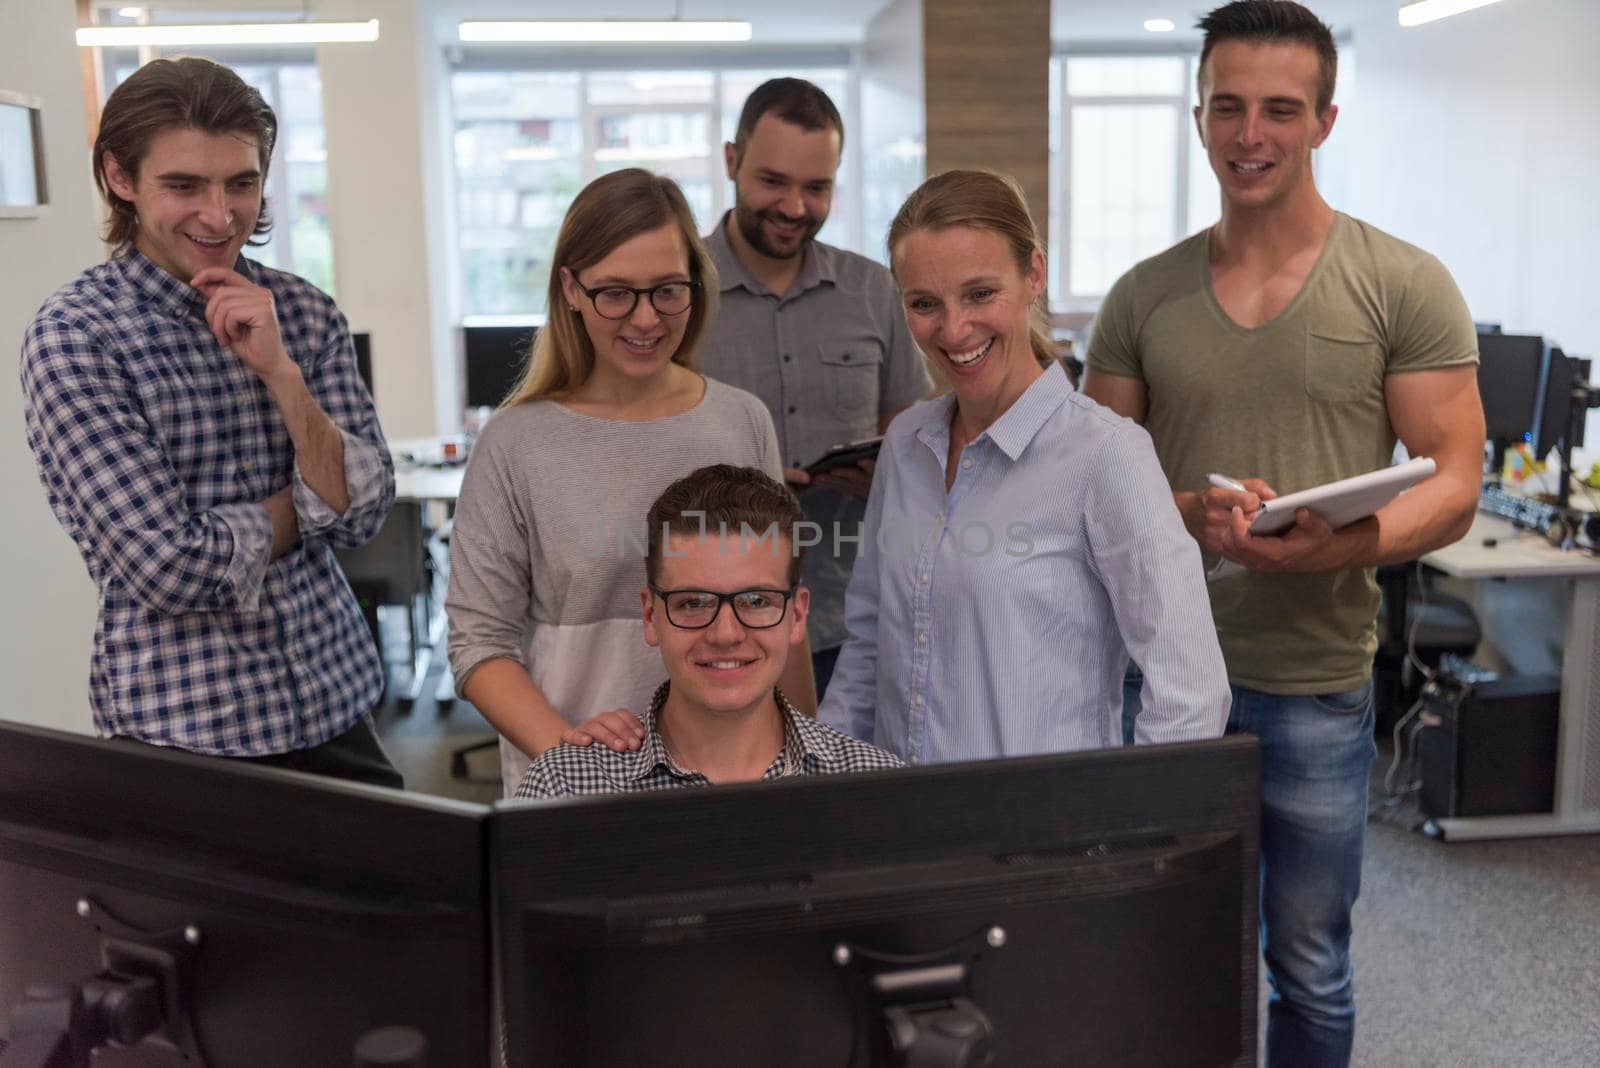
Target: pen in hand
1224, 482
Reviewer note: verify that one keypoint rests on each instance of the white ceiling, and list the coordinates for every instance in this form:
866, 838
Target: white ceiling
794, 22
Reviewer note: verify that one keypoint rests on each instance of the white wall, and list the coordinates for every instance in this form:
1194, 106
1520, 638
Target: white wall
47, 603
388, 209
1478, 138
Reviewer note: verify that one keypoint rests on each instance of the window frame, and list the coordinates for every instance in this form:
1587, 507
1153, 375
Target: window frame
584, 62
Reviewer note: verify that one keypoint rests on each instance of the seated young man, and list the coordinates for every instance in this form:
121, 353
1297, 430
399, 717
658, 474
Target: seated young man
723, 603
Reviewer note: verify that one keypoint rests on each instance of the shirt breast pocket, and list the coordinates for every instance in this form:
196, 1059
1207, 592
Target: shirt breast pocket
850, 369
1340, 369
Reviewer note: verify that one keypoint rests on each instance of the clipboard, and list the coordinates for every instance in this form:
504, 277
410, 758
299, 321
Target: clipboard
1340, 503
1345, 501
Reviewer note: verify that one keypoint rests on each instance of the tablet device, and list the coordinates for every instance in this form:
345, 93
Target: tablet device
845, 455
1344, 502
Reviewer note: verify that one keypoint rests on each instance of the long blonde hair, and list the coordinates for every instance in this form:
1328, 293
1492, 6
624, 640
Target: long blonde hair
983, 200
609, 211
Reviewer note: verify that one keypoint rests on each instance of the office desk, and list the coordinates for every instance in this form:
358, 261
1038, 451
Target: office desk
1518, 554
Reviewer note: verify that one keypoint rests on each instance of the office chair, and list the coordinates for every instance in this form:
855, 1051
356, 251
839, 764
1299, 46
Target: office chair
1409, 616
393, 569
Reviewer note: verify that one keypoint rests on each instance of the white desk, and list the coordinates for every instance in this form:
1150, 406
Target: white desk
1518, 554
428, 486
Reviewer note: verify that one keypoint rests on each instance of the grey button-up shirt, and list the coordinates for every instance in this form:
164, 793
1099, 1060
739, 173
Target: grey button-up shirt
826, 357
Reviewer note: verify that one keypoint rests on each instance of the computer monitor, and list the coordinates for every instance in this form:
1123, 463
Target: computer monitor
495, 357
1552, 415
1508, 381
363, 346
254, 916
1090, 908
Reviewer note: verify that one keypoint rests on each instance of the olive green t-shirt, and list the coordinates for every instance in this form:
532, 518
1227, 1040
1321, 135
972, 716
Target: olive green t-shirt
1297, 401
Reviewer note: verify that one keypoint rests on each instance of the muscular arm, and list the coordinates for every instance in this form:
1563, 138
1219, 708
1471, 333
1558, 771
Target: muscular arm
1435, 413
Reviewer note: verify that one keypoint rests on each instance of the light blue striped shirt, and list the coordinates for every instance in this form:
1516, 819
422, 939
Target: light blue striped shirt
997, 619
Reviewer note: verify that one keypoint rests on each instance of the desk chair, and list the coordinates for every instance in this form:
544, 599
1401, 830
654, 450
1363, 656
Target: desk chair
1409, 616
393, 568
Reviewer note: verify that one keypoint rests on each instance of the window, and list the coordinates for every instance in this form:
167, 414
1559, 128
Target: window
527, 140
1129, 175
297, 179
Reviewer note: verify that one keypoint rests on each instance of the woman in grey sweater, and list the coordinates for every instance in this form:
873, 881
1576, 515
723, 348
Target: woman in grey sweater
547, 555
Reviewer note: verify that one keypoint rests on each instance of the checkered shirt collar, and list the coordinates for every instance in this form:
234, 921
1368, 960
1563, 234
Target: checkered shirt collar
159, 287
807, 749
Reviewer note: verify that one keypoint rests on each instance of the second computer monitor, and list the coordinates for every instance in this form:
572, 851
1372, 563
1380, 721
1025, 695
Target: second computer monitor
1508, 381
1090, 908
495, 358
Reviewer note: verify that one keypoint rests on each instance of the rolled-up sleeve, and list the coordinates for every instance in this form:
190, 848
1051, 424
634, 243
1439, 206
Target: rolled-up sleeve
336, 386
1151, 571
113, 488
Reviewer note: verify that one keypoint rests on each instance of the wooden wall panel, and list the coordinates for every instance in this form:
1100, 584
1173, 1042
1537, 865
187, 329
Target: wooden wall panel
986, 73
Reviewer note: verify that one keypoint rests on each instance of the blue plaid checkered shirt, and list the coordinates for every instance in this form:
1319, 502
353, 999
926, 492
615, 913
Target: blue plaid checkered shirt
155, 446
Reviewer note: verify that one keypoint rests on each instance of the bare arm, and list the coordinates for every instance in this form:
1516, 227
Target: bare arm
511, 702
1435, 413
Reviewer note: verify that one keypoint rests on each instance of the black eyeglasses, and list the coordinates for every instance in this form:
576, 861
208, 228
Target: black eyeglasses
618, 302
698, 609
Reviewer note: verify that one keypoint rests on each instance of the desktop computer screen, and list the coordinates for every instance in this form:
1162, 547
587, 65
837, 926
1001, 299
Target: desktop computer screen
229, 915
495, 358
1509, 368
1088, 908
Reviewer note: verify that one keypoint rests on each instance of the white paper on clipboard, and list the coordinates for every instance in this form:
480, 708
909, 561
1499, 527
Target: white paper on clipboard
1340, 503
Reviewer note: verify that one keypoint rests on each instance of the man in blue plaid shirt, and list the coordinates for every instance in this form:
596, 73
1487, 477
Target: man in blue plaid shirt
203, 436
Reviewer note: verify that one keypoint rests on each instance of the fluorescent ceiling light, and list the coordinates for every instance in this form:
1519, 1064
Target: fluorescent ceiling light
1421, 11
238, 33
1160, 25
130, 12
609, 31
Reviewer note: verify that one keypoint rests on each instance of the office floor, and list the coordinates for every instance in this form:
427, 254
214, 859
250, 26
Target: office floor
1467, 955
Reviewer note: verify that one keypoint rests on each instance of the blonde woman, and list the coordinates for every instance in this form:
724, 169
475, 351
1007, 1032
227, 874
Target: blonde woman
1020, 541
547, 555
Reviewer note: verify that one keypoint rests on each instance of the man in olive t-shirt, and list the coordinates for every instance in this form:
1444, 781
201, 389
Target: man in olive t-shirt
1288, 346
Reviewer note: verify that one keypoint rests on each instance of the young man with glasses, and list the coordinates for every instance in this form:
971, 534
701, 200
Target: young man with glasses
723, 604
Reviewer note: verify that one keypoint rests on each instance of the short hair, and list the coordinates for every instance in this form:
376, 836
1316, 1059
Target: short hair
611, 210
164, 94
982, 200
792, 100
1273, 21
722, 497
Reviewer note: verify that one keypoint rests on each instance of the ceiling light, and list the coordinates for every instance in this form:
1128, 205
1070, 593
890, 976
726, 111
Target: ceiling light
238, 33
608, 31
130, 12
1421, 11
1160, 25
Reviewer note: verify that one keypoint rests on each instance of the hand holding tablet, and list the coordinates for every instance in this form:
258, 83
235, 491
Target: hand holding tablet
847, 455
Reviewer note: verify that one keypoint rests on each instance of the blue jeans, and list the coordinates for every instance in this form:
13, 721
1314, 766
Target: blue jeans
1316, 755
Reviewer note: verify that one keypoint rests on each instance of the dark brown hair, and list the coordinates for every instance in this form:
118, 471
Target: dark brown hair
612, 209
1273, 21
187, 93
792, 100
721, 498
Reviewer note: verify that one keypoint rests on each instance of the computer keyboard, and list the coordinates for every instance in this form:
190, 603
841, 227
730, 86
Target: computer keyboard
1522, 511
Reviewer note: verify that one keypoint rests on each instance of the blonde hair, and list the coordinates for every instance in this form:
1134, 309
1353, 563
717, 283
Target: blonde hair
983, 200
609, 211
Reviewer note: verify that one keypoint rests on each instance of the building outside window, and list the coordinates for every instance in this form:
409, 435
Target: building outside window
527, 140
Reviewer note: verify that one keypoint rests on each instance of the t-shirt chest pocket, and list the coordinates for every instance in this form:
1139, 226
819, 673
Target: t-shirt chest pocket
1343, 369
850, 369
